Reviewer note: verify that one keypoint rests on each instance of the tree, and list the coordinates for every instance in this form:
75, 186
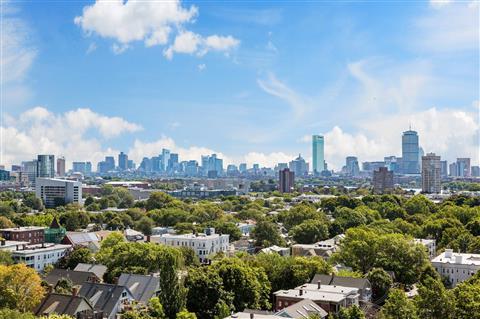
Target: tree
433, 300
298, 214
6, 313
158, 200
5, 222
467, 299
309, 232
184, 314
380, 280
76, 256
20, 287
266, 234
64, 286
229, 228
353, 312
397, 306
155, 308
6, 258
145, 225
172, 292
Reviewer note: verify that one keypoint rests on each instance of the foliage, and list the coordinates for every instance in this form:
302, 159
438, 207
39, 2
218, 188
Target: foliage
267, 234
77, 255
5, 257
398, 306
381, 282
309, 232
433, 300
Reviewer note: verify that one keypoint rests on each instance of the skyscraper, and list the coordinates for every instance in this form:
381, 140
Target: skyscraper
299, 166
382, 180
286, 181
46, 166
431, 182
351, 166
443, 168
61, 166
410, 153
165, 159
122, 161
318, 146
463, 167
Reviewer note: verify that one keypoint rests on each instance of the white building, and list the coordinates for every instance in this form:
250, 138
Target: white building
430, 246
12, 245
39, 256
203, 244
55, 192
457, 267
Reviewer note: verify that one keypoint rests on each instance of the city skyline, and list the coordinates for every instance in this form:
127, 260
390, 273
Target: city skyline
95, 89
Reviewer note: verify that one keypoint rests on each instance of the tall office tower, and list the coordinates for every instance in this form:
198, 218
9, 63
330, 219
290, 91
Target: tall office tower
110, 160
232, 170
146, 165
299, 166
431, 180
131, 164
191, 168
172, 165
443, 168
88, 168
286, 182
410, 153
318, 157
242, 168
165, 159
79, 167
122, 161
475, 171
452, 168
61, 166
46, 166
30, 170
463, 167
280, 166
382, 180
351, 165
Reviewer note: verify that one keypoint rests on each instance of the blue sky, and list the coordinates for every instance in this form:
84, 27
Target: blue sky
249, 80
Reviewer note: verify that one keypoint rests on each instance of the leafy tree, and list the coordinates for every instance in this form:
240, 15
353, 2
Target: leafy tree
353, 312
64, 286
33, 202
266, 234
155, 308
78, 255
229, 228
467, 299
433, 300
359, 249
74, 220
6, 313
398, 306
189, 256
158, 200
310, 231
6, 258
419, 204
298, 214
20, 287
5, 222
145, 225
184, 314
381, 282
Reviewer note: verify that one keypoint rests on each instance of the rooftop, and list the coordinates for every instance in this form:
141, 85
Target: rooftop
40, 248
449, 257
312, 295
25, 228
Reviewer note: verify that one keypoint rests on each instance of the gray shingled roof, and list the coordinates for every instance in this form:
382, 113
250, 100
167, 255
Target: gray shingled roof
97, 269
76, 277
302, 309
62, 304
142, 287
103, 297
359, 283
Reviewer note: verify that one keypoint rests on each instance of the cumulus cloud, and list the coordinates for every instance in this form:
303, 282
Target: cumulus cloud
152, 22
266, 159
38, 130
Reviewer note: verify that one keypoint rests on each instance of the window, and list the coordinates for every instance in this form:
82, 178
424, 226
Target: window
124, 294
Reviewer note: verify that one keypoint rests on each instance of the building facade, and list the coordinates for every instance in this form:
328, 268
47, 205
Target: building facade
410, 153
318, 155
61, 166
431, 178
31, 234
46, 166
40, 255
58, 192
457, 267
299, 166
382, 180
286, 181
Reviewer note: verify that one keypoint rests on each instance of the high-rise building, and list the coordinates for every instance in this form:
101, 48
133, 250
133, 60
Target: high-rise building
299, 166
61, 166
165, 159
122, 161
431, 180
110, 160
172, 163
351, 166
146, 165
443, 168
452, 169
392, 163
410, 153
191, 168
46, 166
242, 168
382, 180
475, 171
29, 168
463, 167
318, 155
88, 168
79, 167
286, 182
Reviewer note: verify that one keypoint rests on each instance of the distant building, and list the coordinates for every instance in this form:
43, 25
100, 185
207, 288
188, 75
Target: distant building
372, 166
242, 168
457, 267
29, 168
165, 159
463, 167
393, 163
4, 175
318, 156
410, 153
351, 166
122, 161
204, 244
61, 166
475, 171
46, 166
40, 255
430, 246
58, 192
30, 234
443, 168
431, 180
286, 182
299, 166
382, 180
452, 168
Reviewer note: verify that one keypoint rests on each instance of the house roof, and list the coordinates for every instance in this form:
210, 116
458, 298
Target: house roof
359, 283
103, 297
302, 309
77, 238
76, 277
97, 269
62, 304
142, 287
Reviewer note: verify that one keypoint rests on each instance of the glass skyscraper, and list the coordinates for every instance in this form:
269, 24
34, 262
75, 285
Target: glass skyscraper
46, 166
410, 153
318, 154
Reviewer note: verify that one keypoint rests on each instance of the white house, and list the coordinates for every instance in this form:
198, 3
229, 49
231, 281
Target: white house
457, 267
41, 255
203, 244
430, 246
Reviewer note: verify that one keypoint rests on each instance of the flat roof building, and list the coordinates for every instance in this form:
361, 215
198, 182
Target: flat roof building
40, 255
58, 192
457, 267
30, 234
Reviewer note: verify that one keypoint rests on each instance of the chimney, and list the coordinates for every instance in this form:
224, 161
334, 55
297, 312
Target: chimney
448, 253
319, 284
74, 291
252, 315
301, 292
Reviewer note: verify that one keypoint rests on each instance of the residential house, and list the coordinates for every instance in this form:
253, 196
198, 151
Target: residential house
72, 305
362, 284
142, 287
107, 298
98, 269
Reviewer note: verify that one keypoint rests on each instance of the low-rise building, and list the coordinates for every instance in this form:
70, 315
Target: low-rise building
31, 234
204, 244
57, 192
12, 245
98, 269
142, 287
430, 246
362, 284
457, 267
40, 255
282, 251
324, 248
106, 298
71, 305
302, 309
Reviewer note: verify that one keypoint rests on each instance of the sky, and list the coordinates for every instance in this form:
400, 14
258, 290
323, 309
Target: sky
249, 80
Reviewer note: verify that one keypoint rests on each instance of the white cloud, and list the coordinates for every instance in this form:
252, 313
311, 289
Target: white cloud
152, 22
201, 67
266, 160
91, 48
38, 130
